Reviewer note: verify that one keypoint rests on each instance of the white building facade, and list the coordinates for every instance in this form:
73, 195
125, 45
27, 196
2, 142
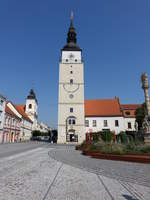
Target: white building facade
2, 115
42, 127
31, 108
71, 119
128, 111
96, 124
26, 123
108, 114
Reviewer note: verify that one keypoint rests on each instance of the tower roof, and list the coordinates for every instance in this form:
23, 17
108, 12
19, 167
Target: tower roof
32, 95
71, 38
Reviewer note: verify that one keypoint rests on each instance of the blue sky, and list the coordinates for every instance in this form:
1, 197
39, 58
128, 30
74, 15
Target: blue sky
114, 36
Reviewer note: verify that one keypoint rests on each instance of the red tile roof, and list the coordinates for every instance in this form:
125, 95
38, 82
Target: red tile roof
128, 110
10, 112
130, 106
102, 108
21, 110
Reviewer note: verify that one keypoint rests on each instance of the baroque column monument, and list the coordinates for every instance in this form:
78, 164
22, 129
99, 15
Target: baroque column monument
146, 123
71, 127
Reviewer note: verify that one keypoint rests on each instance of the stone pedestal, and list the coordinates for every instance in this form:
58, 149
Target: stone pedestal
147, 138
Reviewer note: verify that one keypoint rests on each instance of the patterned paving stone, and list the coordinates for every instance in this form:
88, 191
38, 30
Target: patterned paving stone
59, 172
126, 171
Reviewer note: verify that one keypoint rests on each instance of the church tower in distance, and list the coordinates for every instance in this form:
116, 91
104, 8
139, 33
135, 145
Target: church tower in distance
71, 127
31, 108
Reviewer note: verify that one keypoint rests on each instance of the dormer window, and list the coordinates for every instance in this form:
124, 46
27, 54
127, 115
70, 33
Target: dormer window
30, 106
127, 113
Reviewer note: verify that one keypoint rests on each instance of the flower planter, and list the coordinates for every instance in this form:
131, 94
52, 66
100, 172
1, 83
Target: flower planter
144, 158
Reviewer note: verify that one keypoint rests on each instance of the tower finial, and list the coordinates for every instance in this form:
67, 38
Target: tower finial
71, 19
71, 37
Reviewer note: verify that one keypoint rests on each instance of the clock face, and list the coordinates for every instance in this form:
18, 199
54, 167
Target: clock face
71, 88
71, 96
71, 56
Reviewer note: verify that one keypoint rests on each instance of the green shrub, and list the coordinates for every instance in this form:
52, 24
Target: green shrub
96, 137
106, 136
83, 144
131, 139
36, 133
118, 149
39, 133
113, 149
131, 148
118, 138
145, 149
124, 138
92, 147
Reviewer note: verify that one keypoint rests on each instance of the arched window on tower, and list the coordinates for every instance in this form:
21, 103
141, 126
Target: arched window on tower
71, 120
30, 106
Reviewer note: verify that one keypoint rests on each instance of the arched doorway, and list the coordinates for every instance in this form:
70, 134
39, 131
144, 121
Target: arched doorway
71, 135
12, 138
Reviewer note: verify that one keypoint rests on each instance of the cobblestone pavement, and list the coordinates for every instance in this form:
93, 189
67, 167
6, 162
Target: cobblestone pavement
126, 171
61, 173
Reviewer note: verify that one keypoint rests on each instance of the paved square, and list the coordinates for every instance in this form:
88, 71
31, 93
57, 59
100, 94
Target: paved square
50, 172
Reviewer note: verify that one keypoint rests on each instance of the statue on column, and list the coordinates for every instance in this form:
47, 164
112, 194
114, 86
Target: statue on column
146, 122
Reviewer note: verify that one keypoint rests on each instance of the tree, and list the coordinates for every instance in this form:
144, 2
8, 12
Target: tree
140, 115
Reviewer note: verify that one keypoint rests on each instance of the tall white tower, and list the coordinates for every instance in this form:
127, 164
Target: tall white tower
71, 127
31, 108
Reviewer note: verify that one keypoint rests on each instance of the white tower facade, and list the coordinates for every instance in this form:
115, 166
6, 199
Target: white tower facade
31, 108
71, 127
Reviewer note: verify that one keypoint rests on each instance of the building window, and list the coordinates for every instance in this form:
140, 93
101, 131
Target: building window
71, 110
71, 81
105, 123
0, 112
75, 60
94, 123
87, 123
127, 113
1, 102
72, 121
71, 72
116, 123
66, 60
30, 106
9, 121
129, 125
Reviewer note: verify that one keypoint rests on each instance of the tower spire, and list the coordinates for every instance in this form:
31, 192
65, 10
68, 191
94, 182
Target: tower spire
71, 19
71, 37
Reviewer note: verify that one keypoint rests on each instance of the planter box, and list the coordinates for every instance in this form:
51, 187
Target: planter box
144, 158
